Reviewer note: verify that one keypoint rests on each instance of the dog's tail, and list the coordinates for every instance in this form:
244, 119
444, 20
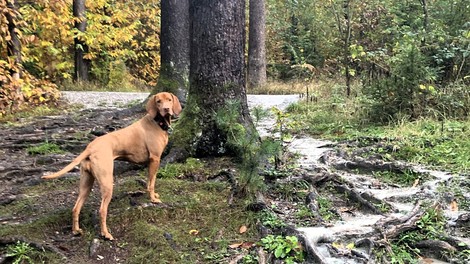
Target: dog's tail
69, 167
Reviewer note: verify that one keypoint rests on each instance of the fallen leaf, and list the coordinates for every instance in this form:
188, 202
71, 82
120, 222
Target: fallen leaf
247, 245
416, 183
193, 232
243, 229
337, 245
350, 245
454, 206
426, 260
236, 245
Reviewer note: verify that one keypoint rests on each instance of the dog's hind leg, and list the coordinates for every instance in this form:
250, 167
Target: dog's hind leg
86, 183
104, 175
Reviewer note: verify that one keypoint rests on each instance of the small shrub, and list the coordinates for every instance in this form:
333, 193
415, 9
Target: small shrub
286, 248
20, 252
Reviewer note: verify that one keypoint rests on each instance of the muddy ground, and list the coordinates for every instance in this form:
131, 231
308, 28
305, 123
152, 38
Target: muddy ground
345, 174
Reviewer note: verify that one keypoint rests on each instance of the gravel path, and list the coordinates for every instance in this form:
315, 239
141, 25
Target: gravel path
123, 100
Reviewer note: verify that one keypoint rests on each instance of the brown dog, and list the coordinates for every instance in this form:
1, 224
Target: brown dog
141, 142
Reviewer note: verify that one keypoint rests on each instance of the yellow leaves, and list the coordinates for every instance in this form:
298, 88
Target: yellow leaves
427, 89
193, 232
243, 229
340, 245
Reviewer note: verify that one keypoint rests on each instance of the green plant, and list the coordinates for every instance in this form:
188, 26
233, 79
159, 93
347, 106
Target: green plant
175, 170
286, 248
250, 259
304, 212
432, 223
325, 209
20, 252
429, 226
270, 219
284, 124
258, 113
44, 148
406, 178
246, 146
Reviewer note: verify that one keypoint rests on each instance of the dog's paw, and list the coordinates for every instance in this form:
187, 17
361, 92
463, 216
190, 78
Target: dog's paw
156, 200
107, 236
77, 232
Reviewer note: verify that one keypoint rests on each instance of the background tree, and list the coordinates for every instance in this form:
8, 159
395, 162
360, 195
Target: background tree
256, 44
14, 44
18, 88
217, 97
174, 48
82, 65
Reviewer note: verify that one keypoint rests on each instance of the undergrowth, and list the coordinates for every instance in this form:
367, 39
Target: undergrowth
438, 142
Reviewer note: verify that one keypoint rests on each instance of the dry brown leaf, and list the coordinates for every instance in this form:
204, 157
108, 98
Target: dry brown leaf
454, 206
243, 229
247, 245
416, 182
426, 260
236, 245
193, 232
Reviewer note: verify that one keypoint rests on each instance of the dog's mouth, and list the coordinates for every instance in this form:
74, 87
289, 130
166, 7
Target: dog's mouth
164, 121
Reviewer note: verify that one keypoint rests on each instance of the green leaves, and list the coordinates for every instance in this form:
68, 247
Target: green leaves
286, 248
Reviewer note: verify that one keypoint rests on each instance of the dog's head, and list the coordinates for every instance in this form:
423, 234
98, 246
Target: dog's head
165, 104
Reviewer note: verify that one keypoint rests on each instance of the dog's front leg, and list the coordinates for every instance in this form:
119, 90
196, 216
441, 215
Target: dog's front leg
154, 163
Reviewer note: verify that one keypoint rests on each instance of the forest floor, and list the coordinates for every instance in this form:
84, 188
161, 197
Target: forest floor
344, 200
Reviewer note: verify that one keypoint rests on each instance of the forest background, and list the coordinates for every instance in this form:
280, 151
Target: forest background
401, 57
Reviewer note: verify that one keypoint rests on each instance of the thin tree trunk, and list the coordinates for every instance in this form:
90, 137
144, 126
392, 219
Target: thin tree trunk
174, 48
256, 44
424, 5
82, 65
14, 45
347, 43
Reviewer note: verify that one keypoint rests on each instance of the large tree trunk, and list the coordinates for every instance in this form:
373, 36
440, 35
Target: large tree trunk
217, 77
174, 48
256, 44
82, 65
14, 45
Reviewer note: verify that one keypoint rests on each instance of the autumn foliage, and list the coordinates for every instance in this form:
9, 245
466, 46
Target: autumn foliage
118, 33
17, 92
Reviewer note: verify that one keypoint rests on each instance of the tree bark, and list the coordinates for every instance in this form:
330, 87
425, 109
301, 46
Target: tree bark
256, 44
82, 65
347, 43
174, 49
217, 77
14, 45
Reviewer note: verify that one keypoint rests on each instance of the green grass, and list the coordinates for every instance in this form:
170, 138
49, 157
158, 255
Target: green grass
443, 144
146, 232
44, 148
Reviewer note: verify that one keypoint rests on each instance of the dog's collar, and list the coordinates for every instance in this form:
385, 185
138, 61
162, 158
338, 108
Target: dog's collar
163, 123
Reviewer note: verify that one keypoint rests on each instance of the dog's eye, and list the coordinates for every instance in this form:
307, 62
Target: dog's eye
159, 101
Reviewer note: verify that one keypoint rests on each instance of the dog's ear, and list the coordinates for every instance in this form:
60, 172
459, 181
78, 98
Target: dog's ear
152, 106
176, 105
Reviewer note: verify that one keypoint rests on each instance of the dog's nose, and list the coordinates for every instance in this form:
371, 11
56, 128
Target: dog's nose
167, 110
